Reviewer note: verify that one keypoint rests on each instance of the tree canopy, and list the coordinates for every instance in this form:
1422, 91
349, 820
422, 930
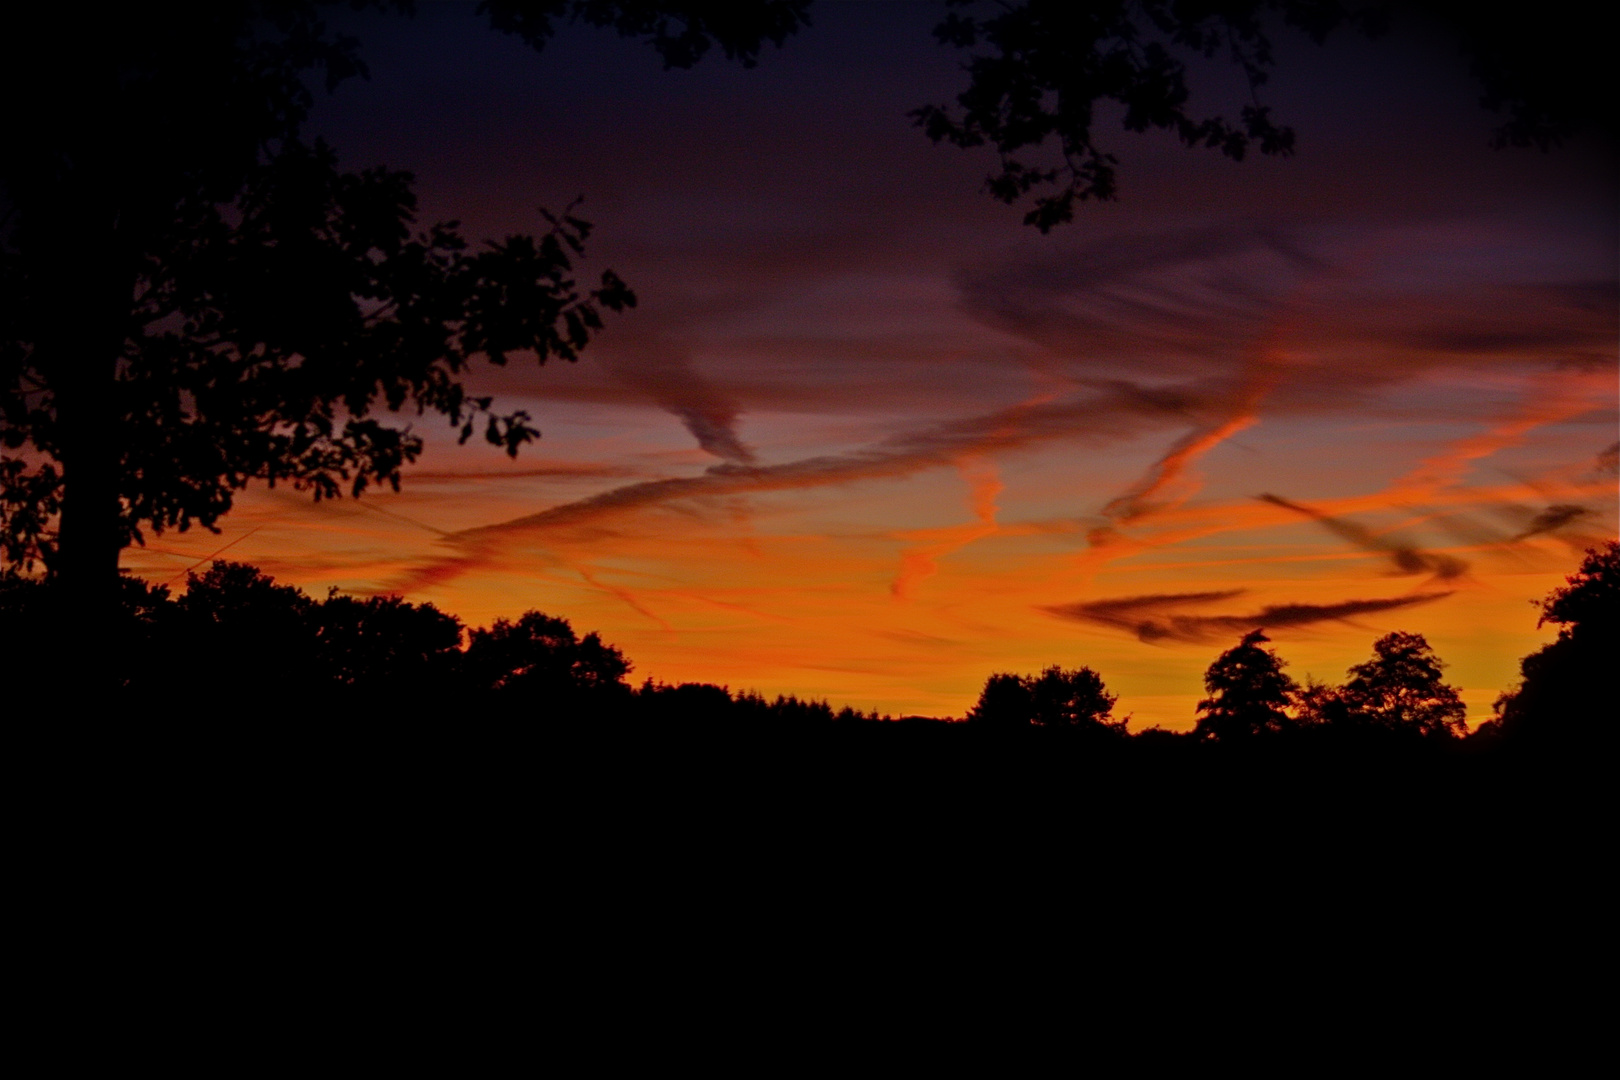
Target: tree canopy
1040, 71
1056, 698
1567, 688
1248, 692
1400, 690
542, 657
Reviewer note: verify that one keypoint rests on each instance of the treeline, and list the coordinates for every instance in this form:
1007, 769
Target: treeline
1398, 693
1566, 694
235, 641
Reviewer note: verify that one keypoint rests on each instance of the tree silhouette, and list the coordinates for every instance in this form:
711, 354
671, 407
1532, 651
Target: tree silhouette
1056, 698
1073, 699
1399, 690
1567, 690
1248, 692
383, 645
32, 679
1047, 65
1005, 702
197, 297
234, 626
540, 659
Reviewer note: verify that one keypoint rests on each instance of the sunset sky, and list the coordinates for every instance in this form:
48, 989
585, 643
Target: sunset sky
866, 437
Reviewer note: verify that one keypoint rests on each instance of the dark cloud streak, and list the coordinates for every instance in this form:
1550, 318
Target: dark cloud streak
1552, 519
663, 370
1408, 558
1149, 618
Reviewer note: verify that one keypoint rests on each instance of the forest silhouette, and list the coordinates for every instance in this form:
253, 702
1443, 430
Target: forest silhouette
233, 626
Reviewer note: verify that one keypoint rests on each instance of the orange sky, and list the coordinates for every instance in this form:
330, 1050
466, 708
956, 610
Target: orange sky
901, 592
867, 439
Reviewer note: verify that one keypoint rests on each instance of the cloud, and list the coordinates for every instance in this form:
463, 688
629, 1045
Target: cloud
1553, 518
1176, 301
1548, 399
1608, 461
1151, 619
1137, 500
1119, 411
1227, 302
1200, 301
1114, 411
921, 560
1408, 558
562, 470
663, 370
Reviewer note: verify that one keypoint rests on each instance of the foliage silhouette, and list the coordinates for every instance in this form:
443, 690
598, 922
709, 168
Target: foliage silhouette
1005, 702
197, 297
1248, 693
1567, 691
681, 32
541, 659
1320, 703
1056, 698
383, 645
236, 647
1399, 690
237, 626
1047, 65
34, 677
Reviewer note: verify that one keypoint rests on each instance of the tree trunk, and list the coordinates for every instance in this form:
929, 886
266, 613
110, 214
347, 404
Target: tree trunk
89, 540
91, 312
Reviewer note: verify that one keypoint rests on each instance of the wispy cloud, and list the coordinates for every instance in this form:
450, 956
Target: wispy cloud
1553, 518
1608, 461
554, 471
1115, 411
1137, 501
1204, 302
1407, 558
921, 560
1153, 618
662, 369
